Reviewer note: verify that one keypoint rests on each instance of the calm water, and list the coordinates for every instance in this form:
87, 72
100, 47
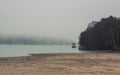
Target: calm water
25, 50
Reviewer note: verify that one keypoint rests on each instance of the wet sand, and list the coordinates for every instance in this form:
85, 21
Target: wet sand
62, 64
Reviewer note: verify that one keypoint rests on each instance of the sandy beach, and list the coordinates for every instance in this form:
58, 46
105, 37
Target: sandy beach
62, 64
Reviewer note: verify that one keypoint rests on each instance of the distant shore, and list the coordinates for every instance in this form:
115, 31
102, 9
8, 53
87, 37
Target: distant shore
62, 64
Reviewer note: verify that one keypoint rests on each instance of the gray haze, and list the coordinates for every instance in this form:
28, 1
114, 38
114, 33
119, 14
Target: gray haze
53, 18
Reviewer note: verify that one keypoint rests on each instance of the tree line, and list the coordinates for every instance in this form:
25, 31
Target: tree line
33, 41
101, 35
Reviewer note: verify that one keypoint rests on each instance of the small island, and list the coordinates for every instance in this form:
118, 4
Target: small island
102, 35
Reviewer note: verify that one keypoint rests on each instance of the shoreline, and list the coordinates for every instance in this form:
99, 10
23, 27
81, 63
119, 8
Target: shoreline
62, 64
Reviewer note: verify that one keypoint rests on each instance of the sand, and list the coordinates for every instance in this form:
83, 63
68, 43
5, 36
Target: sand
62, 64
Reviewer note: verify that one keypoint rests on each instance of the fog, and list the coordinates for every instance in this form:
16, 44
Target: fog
52, 18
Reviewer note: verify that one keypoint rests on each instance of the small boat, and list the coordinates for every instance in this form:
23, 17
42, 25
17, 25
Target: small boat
73, 45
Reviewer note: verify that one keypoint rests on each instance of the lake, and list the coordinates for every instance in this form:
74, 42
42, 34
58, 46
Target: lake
25, 50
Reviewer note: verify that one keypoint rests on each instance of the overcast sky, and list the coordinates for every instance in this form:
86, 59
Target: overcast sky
54, 18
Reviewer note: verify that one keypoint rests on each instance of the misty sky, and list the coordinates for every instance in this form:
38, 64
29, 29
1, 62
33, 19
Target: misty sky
54, 18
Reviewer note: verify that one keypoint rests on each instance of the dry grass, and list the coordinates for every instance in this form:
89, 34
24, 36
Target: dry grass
62, 64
